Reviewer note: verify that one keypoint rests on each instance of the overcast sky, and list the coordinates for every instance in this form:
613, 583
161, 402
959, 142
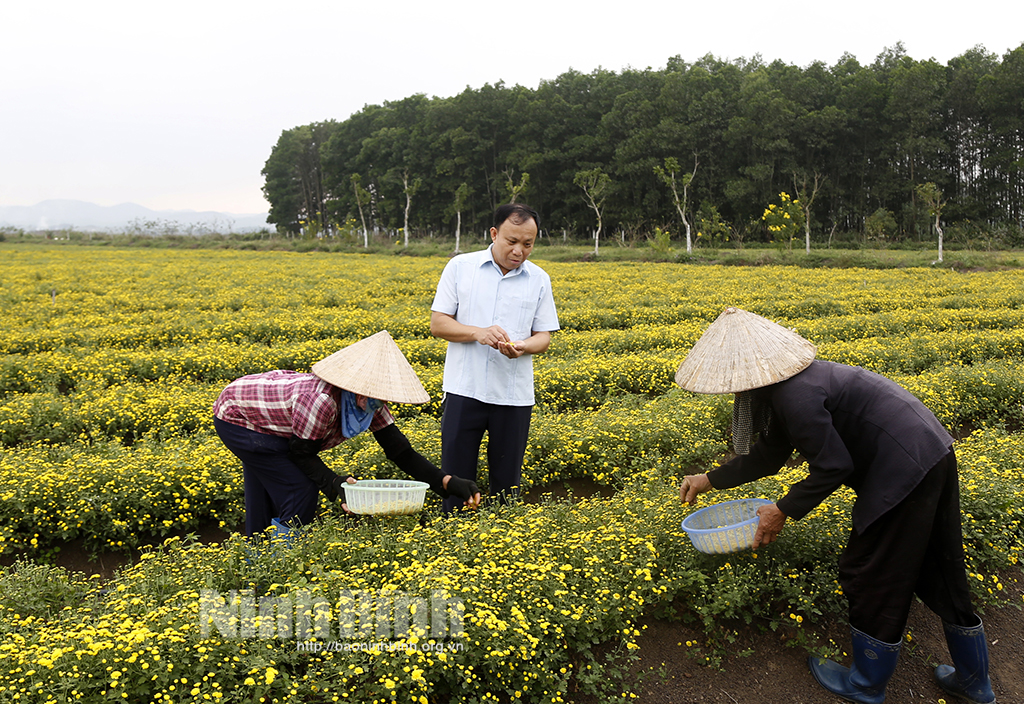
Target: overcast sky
176, 105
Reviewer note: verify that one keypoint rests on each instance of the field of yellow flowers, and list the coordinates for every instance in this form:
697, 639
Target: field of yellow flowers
110, 361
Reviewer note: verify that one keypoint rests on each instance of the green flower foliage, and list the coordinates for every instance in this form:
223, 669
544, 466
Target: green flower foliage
105, 436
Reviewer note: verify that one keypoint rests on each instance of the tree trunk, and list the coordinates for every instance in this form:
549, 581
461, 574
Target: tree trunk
362, 218
408, 204
405, 229
458, 229
806, 202
682, 209
938, 227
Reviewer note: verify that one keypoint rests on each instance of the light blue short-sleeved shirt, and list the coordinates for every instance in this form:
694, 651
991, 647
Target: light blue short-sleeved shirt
474, 291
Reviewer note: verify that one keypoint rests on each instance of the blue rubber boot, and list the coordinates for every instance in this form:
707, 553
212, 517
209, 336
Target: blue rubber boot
282, 532
873, 665
260, 546
968, 678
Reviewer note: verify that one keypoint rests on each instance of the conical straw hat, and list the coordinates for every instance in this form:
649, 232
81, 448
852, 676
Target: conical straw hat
742, 351
373, 367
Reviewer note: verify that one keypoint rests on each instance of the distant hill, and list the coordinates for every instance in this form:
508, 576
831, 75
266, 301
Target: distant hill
126, 217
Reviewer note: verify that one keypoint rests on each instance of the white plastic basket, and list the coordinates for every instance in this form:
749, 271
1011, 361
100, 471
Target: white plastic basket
385, 497
726, 527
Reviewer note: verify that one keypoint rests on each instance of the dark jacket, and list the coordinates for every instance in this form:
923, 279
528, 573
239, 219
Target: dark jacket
853, 427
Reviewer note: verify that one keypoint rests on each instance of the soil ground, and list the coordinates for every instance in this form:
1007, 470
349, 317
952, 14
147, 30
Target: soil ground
762, 668
777, 673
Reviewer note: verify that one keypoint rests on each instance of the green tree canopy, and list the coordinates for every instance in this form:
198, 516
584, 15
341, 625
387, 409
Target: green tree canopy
868, 134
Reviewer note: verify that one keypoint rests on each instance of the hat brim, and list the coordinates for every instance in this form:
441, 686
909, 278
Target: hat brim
373, 367
741, 351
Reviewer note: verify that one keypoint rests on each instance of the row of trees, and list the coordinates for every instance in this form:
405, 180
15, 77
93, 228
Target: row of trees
698, 148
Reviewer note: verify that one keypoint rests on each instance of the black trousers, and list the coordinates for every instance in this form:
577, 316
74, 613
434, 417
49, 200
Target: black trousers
274, 486
463, 423
914, 548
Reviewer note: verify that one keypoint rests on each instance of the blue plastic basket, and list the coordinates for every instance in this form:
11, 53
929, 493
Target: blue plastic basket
726, 527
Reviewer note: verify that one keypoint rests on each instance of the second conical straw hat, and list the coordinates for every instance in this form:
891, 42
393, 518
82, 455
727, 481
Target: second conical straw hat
742, 351
373, 367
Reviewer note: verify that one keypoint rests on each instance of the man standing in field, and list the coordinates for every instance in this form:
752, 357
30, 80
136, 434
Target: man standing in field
496, 311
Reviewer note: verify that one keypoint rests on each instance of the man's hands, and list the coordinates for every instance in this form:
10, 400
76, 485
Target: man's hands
491, 336
512, 350
692, 486
496, 337
770, 525
464, 489
447, 328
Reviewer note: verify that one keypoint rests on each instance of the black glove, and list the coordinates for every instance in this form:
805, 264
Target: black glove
338, 484
464, 489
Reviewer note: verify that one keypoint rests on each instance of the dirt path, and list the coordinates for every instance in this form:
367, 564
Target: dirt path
777, 674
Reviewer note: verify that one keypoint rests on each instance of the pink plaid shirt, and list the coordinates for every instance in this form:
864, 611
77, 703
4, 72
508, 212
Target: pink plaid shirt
285, 403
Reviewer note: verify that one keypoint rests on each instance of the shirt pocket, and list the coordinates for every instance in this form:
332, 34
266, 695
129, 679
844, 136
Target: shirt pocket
523, 312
